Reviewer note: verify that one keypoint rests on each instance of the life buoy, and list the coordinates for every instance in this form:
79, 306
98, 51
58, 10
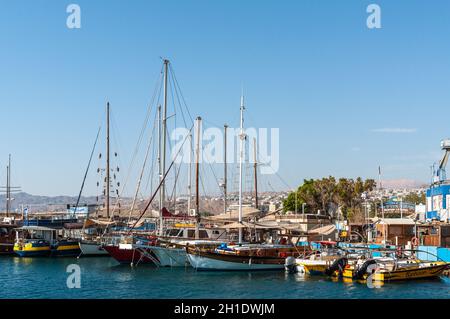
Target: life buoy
260, 253
415, 241
282, 254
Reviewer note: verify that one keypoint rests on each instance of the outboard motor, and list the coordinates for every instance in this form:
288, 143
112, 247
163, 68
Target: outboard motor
359, 272
338, 265
290, 265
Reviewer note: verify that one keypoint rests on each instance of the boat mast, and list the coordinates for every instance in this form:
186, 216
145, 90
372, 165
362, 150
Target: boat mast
255, 167
164, 130
8, 186
107, 161
225, 128
161, 174
197, 171
190, 172
241, 159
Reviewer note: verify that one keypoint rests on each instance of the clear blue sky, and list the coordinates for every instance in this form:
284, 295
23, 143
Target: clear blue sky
346, 98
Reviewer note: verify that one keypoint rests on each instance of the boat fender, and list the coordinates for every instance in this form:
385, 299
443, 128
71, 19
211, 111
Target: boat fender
359, 273
290, 265
338, 265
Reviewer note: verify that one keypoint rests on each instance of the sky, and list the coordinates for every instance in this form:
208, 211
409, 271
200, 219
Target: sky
345, 98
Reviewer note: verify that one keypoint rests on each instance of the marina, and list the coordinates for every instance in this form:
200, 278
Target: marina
215, 158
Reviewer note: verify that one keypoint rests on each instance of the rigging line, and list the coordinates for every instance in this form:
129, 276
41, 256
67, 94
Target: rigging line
276, 173
85, 175
215, 176
116, 140
150, 176
156, 93
178, 99
177, 173
159, 186
142, 173
181, 93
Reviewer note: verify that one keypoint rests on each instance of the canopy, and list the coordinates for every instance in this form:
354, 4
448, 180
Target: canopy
325, 230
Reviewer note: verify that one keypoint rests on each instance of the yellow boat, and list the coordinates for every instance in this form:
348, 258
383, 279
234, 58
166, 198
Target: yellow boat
384, 270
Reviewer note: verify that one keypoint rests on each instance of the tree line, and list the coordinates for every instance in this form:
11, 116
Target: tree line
331, 196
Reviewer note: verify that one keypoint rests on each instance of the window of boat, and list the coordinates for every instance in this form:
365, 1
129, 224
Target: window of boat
191, 233
3, 231
203, 233
174, 232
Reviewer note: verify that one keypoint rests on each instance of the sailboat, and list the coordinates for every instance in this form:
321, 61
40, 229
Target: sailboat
91, 245
240, 256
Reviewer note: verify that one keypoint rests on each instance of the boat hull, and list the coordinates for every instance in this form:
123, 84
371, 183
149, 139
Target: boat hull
32, 250
6, 249
128, 256
170, 257
433, 270
66, 249
92, 249
214, 261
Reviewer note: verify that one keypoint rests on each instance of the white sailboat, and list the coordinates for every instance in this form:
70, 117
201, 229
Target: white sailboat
240, 256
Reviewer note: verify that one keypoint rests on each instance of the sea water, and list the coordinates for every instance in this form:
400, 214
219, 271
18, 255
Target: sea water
103, 277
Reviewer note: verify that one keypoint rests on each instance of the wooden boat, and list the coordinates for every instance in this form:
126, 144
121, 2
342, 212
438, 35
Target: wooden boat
92, 248
7, 238
240, 257
33, 241
170, 249
389, 269
32, 248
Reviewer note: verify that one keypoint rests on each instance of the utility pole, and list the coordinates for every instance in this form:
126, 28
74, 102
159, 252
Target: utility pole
197, 172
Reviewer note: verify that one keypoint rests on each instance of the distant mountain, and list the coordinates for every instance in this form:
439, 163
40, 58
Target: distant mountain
44, 203
402, 183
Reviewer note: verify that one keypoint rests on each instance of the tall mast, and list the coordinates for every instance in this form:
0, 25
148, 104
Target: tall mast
164, 131
197, 172
241, 159
161, 174
255, 167
190, 172
107, 161
8, 186
225, 128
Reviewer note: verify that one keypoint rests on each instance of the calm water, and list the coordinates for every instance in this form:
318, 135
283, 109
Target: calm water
104, 278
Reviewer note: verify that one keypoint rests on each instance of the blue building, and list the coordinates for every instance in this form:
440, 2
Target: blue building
438, 195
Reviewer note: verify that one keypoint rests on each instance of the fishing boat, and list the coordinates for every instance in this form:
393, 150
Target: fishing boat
330, 263
392, 269
34, 241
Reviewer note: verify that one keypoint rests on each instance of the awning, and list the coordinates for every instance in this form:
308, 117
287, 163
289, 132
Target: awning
325, 230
